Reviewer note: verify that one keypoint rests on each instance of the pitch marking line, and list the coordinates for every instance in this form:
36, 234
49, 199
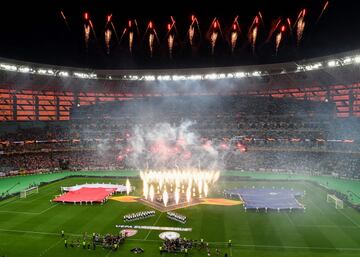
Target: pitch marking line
153, 225
215, 243
31, 213
50, 247
347, 216
108, 253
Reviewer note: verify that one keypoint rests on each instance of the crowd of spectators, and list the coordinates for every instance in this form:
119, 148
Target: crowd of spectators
282, 134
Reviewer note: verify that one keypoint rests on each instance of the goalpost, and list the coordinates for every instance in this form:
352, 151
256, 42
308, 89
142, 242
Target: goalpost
29, 191
339, 204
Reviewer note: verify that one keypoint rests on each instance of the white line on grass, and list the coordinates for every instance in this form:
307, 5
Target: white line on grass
153, 225
290, 247
347, 216
50, 247
30, 213
108, 253
49, 208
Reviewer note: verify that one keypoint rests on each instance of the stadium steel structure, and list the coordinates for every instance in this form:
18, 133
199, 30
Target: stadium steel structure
32, 91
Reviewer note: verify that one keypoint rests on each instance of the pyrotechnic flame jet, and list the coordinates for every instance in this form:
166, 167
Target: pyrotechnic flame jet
86, 29
130, 31
150, 30
234, 33
108, 33
279, 38
109, 29
193, 28
170, 36
213, 33
300, 25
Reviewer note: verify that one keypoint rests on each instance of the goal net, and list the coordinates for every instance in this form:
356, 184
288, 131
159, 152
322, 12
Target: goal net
339, 204
29, 191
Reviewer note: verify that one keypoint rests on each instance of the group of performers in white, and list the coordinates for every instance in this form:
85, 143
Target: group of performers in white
177, 217
138, 215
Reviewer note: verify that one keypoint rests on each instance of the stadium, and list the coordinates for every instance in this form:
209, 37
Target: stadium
237, 160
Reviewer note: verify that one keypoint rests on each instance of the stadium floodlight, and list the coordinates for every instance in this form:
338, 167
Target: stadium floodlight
347, 60
41, 71
63, 74
357, 59
166, 77
149, 78
178, 77
240, 75
194, 77
211, 76
256, 73
8, 67
230, 75
332, 63
25, 69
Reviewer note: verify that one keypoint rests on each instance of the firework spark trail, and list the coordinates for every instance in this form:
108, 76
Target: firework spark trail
273, 29
107, 40
253, 32
92, 29
116, 35
261, 18
108, 20
289, 24
65, 20
322, 11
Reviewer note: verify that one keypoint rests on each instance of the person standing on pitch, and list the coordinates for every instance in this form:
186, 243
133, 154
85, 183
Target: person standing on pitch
65, 243
62, 233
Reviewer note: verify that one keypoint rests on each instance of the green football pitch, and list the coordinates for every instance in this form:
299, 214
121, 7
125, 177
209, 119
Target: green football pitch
31, 226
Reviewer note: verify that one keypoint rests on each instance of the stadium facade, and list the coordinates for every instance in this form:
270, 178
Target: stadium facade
32, 91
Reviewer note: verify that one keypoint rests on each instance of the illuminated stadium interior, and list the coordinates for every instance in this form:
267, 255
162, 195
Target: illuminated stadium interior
116, 146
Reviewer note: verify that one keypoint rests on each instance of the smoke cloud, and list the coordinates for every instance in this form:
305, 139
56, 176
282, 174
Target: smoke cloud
166, 146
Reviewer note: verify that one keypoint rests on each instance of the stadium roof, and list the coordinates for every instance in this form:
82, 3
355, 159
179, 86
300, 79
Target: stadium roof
330, 70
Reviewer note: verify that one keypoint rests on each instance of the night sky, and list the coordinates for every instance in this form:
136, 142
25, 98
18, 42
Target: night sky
35, 31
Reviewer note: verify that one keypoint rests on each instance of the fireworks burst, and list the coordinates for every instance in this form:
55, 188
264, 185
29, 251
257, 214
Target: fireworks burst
107, 40
170, 44
191, 31
151, 43
131, 41
234, 34
300, 29
213, 32
300, 26
87, 35
279, 37
171, 35
196, 182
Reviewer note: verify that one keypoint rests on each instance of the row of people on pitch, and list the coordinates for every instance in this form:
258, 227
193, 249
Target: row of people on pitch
177, 217
138, 215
